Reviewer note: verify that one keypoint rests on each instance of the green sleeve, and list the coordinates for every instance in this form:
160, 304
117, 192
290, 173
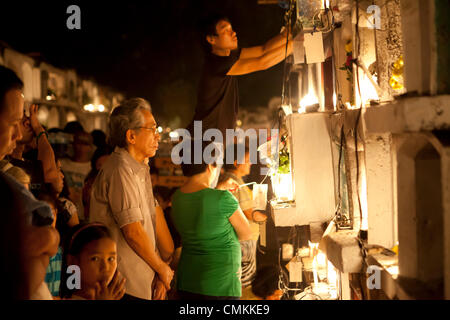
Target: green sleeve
228, 204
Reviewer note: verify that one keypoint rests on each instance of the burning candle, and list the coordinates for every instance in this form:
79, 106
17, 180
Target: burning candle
316, 281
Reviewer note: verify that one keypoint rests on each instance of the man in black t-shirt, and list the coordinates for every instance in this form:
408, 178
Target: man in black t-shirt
218, 95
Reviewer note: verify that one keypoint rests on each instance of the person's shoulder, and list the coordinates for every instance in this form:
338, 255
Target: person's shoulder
226, 196
176, 193
236, 53
116, 167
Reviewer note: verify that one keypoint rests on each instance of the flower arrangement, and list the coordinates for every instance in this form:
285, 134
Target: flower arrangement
283, 162
348, 65
276, 155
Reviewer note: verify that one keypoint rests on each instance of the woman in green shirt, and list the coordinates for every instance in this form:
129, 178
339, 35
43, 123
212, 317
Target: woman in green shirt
210, 224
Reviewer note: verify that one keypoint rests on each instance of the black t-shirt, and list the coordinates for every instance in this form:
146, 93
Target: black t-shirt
218, 94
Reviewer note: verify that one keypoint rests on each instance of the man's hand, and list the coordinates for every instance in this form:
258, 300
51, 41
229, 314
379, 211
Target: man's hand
35, 125
158, 289
258, 216
165, 273
114, 291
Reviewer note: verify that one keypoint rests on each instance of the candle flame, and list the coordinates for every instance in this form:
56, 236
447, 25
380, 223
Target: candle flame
308, 100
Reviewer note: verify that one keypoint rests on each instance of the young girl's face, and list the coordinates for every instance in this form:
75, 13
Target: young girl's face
98, 262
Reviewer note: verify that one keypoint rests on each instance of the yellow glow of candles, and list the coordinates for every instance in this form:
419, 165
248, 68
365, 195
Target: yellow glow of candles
396, 83
308, 100
396, 80
316, 280
321, 259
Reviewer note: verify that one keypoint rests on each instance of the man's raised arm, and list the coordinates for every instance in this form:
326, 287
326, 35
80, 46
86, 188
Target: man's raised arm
267, 60
258, 51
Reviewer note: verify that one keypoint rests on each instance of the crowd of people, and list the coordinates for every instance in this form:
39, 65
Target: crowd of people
96, 209
87, 222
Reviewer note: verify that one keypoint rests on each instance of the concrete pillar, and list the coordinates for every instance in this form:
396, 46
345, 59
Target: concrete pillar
407, 235
345, 286
420, 213
389, 46
420, 48
445, 180
380, 193
443, 46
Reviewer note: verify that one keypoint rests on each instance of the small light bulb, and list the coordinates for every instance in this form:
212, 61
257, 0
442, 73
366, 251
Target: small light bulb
174, 134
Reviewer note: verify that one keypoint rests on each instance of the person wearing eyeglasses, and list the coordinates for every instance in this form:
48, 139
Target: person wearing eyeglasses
122, 199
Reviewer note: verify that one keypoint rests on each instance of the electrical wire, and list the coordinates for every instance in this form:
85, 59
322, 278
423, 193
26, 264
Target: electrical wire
288, 17
309, 291
358, 117
338, 216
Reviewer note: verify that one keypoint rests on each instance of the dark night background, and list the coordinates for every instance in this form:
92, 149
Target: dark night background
150, 49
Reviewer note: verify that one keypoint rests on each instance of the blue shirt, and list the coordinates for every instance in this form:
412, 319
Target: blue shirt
53, 273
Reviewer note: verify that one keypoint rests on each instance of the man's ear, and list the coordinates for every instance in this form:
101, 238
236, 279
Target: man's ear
131, 136
26, 122
211, 40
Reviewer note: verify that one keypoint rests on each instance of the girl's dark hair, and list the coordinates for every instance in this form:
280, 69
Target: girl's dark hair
75, 240
98, 153
191, 169
82, 234
65, 191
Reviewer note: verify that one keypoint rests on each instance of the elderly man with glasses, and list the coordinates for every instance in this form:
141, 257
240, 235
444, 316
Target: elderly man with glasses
122, 198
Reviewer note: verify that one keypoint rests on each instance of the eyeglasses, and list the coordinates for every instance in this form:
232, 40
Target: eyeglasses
154, 130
